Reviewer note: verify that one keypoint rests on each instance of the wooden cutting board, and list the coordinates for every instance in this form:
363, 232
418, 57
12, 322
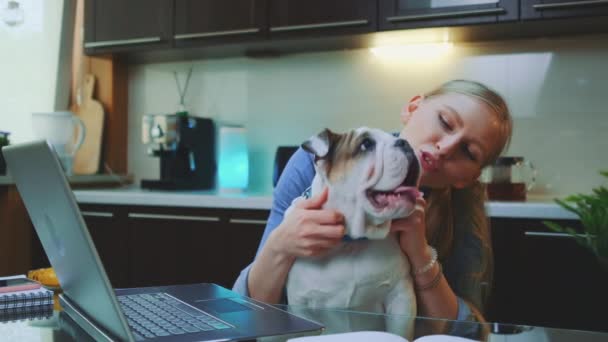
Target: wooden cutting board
90, 111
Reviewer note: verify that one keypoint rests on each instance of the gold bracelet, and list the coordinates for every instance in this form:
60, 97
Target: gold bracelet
433, 282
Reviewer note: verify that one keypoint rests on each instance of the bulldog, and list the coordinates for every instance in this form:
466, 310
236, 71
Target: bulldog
372, 178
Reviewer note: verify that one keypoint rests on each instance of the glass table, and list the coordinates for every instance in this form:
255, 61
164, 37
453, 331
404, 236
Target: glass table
59, 327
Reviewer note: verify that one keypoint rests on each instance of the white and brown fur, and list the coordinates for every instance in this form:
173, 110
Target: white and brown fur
371, 274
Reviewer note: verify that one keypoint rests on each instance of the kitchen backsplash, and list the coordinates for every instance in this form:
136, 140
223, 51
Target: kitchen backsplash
555, 88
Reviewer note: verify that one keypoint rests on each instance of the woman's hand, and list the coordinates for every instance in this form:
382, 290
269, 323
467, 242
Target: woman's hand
307, 229
411, 231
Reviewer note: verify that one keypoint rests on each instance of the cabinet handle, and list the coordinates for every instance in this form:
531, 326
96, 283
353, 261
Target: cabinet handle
215, 33
561, 235
320, 25
97, 214
571, 4
247, 221
107, 43
417, 17
174, 217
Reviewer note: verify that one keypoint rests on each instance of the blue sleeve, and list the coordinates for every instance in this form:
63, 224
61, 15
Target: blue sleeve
295, 179
464, 311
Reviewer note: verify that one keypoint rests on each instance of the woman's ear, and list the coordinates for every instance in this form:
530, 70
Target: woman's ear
409, 108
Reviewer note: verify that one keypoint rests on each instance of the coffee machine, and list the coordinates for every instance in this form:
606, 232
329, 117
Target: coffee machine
185, 146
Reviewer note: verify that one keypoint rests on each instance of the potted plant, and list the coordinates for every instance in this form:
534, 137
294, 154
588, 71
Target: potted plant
3, 142
592, 210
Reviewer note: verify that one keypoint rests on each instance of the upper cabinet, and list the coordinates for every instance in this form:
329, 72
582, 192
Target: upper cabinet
164, 30
119, 25
210, 21
293, 18
540, 9
403, 14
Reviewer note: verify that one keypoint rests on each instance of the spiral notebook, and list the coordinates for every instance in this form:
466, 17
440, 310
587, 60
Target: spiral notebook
21, 298
37, 297
33, 312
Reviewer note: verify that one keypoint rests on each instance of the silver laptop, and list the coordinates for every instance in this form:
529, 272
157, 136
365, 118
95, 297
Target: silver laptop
197, 312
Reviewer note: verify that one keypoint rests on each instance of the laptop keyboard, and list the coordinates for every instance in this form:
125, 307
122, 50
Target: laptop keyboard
158, 314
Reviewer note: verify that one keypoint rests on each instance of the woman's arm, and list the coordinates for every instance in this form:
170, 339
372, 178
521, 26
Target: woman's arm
456, 292
434, 295
435, 300
295, 179
287, 237
306, 231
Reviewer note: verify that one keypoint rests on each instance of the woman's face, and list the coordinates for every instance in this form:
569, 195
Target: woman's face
453, 135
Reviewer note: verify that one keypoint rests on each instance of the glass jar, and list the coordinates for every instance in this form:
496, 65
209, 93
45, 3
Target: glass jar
509, 178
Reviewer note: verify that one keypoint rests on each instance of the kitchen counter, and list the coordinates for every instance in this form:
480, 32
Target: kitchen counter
84, 180
190, 198
536, 207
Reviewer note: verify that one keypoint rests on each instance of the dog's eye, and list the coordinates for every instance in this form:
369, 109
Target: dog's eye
367, 144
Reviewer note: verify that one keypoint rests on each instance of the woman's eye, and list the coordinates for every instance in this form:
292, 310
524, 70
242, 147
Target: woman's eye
468, 153
367, 144
444, 123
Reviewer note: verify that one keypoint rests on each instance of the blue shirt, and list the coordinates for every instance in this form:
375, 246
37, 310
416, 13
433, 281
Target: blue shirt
465, 259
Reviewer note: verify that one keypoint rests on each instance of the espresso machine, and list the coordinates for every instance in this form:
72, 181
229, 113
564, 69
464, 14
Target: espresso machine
185, 146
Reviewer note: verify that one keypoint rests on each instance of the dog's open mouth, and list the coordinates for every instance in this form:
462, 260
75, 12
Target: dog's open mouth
405, 193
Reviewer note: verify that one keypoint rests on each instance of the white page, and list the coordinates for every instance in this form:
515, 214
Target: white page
376, 336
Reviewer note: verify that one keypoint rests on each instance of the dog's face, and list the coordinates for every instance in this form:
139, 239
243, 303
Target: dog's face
380, 171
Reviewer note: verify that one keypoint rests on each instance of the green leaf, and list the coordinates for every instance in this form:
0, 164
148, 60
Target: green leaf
554, 226
592, 210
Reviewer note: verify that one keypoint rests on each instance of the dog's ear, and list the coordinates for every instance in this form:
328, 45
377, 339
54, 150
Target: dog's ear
320, 144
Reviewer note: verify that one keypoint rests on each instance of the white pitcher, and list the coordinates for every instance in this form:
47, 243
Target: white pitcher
59, 129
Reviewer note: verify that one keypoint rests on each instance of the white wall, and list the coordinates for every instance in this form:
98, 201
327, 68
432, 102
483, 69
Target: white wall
556, 90
28, 66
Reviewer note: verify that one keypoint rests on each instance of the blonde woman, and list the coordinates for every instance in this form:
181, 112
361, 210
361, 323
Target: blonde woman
456, 130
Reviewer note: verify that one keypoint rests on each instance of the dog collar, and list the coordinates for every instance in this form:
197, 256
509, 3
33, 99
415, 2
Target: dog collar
307, 193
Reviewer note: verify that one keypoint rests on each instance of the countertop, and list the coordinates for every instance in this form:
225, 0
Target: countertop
79, 180
190, 198
536, 207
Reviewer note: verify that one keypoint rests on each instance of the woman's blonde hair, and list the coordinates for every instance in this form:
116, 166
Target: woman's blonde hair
449, 206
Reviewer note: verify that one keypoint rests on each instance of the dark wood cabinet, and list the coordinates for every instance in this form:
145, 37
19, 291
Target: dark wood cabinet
118, 25
546, 9
309, 18
199, 22
405, 14
243, 232
546, 279
176, 246
111, 240
169, 30
149, 245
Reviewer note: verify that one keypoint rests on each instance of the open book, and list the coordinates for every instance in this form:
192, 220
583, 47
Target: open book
376, 336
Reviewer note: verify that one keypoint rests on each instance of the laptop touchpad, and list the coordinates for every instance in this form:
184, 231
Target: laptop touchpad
221, 306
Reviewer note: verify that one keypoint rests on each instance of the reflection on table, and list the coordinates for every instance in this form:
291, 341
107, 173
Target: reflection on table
61, 328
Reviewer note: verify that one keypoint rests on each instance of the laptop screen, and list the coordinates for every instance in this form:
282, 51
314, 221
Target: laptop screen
65, 238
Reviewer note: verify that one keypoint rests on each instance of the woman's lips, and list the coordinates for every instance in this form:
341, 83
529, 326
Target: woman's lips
428, 162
